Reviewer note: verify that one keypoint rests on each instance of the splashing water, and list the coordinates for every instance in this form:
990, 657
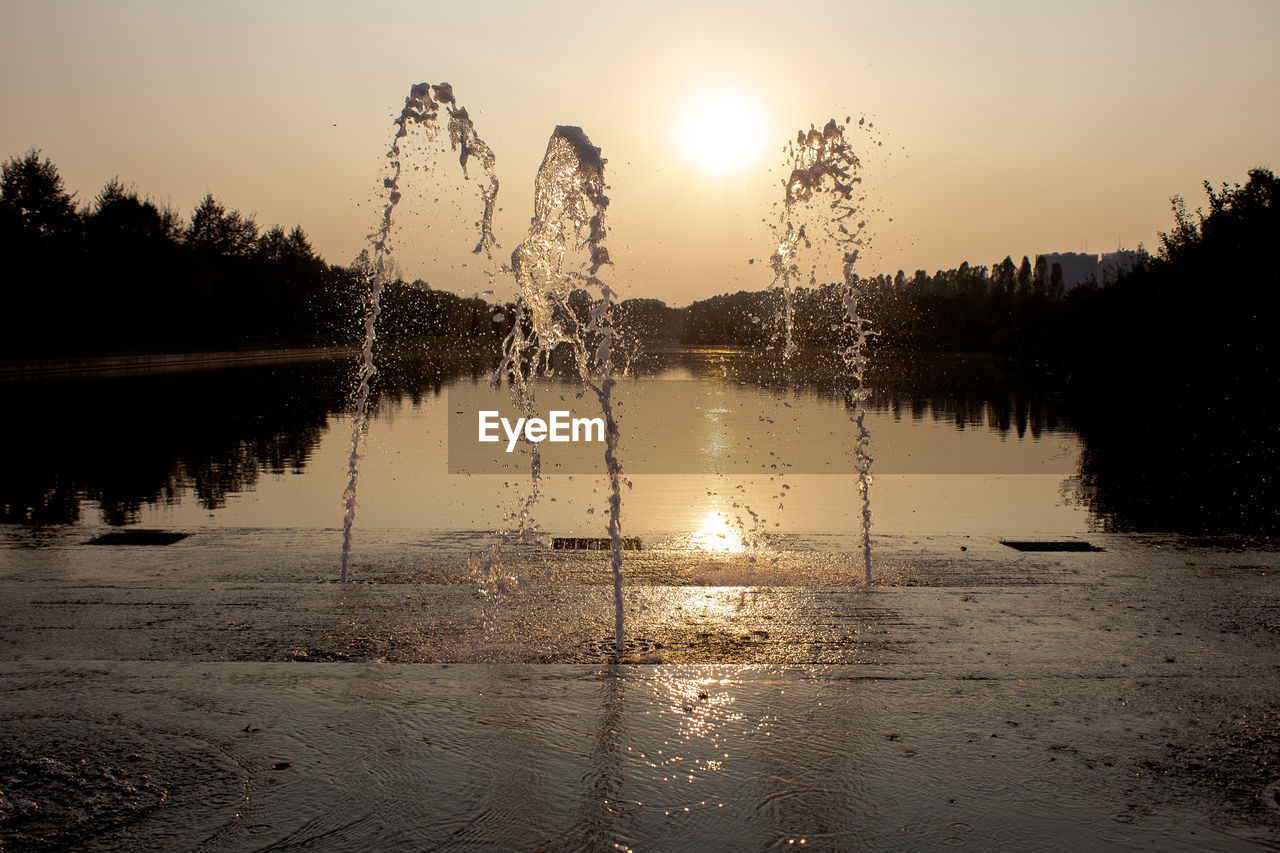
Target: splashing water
561, 255
421, 109
558, 264
820, 205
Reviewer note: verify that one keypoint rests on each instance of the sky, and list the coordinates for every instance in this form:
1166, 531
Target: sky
996, 128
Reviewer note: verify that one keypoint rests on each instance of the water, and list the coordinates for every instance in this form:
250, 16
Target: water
965, 447
183, 698
225, 693
569, 215
566, 757
820, 210
420, 110
569, 206
569, 218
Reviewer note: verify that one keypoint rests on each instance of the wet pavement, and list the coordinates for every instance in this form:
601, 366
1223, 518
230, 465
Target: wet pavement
221, 692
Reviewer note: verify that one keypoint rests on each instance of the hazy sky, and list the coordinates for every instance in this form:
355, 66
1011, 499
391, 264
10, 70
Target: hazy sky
1006, 127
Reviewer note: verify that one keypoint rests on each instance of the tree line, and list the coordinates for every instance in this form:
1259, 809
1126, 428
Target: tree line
122, 274
1008, 309
1206, 294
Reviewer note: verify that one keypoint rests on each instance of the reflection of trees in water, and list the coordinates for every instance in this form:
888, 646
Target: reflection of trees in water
131, 442
1158, 454
1182, 467
135, 441
128, 442
966, 391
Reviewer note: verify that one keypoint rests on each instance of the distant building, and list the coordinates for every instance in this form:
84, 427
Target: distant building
1114, 264
1079, 267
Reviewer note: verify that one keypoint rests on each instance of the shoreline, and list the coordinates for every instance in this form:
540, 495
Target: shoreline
166, 363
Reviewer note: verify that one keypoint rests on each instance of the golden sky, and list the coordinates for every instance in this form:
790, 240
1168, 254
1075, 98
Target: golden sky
1006, 128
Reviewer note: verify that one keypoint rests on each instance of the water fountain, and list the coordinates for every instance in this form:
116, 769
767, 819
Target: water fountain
568, 220
569, 212
562, 256
819, 206
421, 110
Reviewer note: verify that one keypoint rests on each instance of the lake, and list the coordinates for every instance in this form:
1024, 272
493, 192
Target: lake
218, 689
959, 449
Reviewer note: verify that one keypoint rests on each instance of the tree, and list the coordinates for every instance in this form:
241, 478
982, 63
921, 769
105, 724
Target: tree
299, 246
1024, 277
643, 321
214, 229
118, 217
32, 192
1188, 340
1004, 276
1056, 285
272, 246
1040, 277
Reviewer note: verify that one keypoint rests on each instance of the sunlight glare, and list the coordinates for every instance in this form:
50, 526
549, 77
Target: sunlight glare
715, 534
721, 132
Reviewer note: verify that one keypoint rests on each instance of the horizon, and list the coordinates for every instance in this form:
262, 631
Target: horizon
248, 104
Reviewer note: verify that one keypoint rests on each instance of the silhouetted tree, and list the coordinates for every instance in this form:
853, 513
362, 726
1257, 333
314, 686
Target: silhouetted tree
1024, 277
33, 194
1004, 275
1039, 278
1178, 387
1056, 285
217, 231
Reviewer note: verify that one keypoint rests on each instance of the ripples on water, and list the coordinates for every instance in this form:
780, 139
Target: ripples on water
676, 757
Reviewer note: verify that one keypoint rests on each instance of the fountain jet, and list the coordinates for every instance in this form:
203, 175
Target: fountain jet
421, 109
819, 204
563, 254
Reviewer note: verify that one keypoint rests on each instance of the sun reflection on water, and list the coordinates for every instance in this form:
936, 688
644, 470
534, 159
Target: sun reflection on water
716, 534
703, 706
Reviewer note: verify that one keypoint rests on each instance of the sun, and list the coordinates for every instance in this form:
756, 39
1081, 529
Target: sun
716, 534
721, 131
